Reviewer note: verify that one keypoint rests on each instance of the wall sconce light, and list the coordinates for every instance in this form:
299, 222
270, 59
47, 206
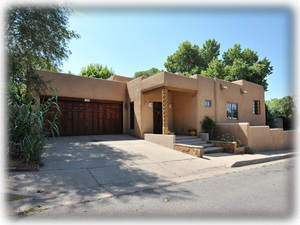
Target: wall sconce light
243, 91
150, 104
170, 106
223, 87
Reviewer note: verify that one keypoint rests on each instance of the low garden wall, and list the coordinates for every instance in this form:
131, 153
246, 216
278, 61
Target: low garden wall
161, 139
258, 138
229, 147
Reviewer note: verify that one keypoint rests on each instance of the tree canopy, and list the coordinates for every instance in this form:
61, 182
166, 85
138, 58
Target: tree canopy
148, 73
185, 59
96, 70
284, 108
37, 38
237, 64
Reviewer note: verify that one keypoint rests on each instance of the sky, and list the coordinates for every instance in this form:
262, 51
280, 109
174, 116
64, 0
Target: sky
132, 40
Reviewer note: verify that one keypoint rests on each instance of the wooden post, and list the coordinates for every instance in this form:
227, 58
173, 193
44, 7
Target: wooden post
165, 110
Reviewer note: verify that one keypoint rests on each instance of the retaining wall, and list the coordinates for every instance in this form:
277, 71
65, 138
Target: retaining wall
259, 138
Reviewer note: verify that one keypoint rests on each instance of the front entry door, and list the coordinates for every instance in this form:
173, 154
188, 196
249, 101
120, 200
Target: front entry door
157, 118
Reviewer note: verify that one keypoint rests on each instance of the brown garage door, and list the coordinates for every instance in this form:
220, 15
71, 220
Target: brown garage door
78, 117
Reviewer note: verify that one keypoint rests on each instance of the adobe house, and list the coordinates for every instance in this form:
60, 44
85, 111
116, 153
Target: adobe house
158, 104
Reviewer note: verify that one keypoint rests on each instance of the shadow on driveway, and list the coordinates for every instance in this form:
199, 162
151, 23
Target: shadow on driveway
79, 169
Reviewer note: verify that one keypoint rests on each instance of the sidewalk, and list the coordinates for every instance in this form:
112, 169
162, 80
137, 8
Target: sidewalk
103, 170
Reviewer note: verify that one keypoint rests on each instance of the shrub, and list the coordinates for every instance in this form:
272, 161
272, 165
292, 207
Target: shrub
248, 150
229, 138
208, 124
28, 126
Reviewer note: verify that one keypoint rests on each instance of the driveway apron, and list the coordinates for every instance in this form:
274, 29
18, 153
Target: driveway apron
85, 168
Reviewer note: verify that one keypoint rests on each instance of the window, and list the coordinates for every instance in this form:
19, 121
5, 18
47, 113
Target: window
256, 107
232, 111
207, 103
132, 115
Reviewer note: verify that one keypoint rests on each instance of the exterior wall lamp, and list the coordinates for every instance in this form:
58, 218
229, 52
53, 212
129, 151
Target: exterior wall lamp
222, 87
243, 91
170, 106
150, 104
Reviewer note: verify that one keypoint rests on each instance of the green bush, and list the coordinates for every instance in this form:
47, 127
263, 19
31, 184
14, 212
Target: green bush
248, 150
226, 137
28, 126
208, 124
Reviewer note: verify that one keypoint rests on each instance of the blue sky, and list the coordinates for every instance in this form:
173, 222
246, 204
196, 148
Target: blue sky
133, 40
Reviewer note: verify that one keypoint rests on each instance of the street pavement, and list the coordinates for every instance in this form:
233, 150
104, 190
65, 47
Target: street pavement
89, 168
266, 192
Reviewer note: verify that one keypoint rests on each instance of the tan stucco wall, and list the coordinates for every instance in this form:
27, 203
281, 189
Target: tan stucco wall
134, 95
262, 138
84, 87
161, 139
186, 94
206, 91
244, 101
185, 112
239, 130
147, 112
120, 78
259, 138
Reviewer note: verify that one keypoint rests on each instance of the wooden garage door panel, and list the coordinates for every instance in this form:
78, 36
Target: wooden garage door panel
87, 118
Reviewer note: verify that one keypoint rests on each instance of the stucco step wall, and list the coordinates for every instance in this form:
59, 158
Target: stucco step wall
183, 137
191, 141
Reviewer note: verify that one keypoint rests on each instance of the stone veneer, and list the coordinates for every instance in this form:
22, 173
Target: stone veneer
191, 150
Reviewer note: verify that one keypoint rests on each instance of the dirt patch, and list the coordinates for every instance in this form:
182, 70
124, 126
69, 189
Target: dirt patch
15, 166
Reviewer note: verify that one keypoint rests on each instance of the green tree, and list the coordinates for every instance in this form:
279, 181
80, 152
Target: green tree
216, 68
148, 73
284, 108
96, 70
240, 65
37, 38
210, 50
186, 59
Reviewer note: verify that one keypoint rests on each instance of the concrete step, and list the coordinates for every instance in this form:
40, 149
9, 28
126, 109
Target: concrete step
184, 137
191, 141
211, 150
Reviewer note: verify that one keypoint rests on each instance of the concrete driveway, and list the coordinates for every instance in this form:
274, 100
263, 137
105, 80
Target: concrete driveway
87, 168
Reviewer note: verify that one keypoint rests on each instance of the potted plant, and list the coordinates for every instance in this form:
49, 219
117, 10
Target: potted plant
208, 124
192, 132
170, 132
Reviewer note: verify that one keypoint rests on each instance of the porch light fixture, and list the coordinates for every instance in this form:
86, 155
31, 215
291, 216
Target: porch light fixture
170, 106
223, 87
150, 104
243, 91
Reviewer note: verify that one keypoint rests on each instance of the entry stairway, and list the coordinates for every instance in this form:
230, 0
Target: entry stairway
194, 141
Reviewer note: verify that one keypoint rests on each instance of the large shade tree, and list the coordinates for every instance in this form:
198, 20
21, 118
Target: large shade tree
148, 73
185, 59
236, 64
96, 70
284, 108
36, 38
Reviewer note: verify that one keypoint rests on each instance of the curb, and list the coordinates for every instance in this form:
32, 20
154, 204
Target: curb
261, 160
